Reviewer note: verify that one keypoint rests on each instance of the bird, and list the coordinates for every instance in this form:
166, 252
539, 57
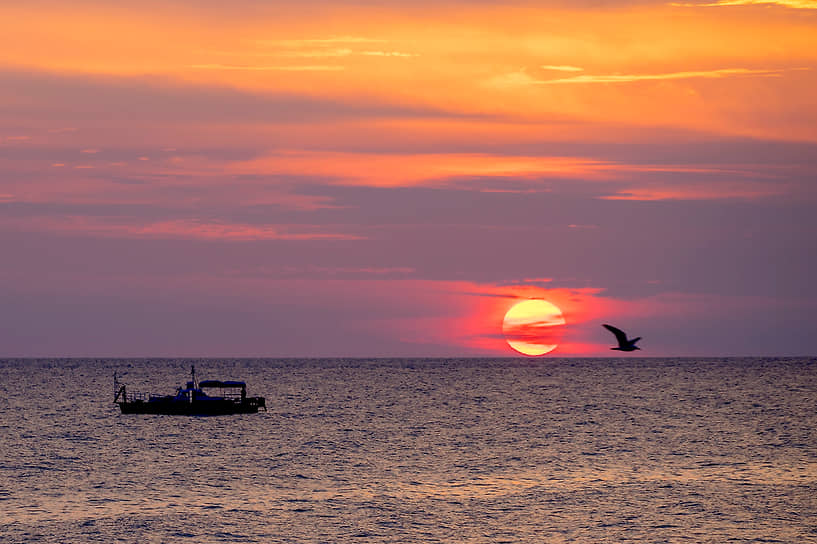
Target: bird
624, 344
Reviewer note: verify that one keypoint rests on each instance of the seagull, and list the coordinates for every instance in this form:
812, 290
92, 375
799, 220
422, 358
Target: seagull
624, 344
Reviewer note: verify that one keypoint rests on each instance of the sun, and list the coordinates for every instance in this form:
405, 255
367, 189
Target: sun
533, 327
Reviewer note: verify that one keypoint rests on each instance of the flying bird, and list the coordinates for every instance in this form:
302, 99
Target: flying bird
624, 344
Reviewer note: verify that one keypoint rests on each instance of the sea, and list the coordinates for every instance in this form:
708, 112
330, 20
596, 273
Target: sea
694, 450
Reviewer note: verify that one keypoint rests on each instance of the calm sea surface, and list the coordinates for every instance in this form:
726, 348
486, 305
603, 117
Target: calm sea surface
405, 450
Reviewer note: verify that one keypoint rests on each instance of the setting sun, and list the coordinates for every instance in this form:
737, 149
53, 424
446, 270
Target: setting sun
533, 327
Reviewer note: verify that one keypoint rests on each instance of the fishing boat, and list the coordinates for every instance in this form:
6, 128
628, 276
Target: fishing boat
205, 398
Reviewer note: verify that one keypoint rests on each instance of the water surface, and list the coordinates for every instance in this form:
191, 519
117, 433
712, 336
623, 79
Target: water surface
410, 450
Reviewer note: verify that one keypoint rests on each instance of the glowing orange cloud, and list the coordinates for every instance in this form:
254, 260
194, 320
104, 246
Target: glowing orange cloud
796, 4
389, 170
628, 78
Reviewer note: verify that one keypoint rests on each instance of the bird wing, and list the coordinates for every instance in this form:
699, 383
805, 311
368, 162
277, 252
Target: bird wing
620, 336
634, 340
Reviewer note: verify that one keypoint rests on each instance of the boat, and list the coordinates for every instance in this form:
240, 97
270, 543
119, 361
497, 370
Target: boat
205, 398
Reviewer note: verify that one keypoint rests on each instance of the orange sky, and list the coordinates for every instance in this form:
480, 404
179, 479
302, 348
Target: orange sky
734, 70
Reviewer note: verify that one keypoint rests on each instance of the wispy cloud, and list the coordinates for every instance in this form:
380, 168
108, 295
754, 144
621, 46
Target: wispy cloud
359, 271
522, 78
562, 68
537, 280
283, 68
190, 229
83, 99
312, 42
332, 47
321, 53
431, 169
225, 231
629, 78
388, 54
534, 338
699, 191
795, 4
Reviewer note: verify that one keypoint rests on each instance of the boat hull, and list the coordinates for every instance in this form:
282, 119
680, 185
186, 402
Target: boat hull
172, 407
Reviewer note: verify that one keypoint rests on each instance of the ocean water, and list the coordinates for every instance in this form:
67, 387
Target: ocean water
411, 450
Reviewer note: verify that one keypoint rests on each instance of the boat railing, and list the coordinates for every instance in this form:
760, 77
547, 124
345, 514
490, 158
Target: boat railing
135, 396
229, 394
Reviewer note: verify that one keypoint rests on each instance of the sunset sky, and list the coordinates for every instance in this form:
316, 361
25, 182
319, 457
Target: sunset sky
329, 178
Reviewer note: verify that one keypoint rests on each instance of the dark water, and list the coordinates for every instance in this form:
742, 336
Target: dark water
589, 451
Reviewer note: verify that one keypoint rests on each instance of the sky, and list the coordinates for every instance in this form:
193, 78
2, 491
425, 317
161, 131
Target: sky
370, 179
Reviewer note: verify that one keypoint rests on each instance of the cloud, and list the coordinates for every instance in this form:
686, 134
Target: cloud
388, 54
329, 41
251, 67
521, 78
308, 53
628, 78
332, 47
562, 68
222, 231
351, 271
542, 334
795, 4
330, 52
435, 169
190, 229
81, 98
699, 190
498, 175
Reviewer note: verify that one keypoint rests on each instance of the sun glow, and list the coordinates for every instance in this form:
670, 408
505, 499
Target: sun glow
533, 327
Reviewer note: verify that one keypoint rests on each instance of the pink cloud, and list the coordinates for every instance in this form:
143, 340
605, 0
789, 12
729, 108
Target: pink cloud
190, 229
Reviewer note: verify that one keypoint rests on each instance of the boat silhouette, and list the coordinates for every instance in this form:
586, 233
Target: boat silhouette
194, 399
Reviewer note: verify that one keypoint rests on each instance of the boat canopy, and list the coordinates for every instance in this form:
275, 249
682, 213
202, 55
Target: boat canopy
218, 383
